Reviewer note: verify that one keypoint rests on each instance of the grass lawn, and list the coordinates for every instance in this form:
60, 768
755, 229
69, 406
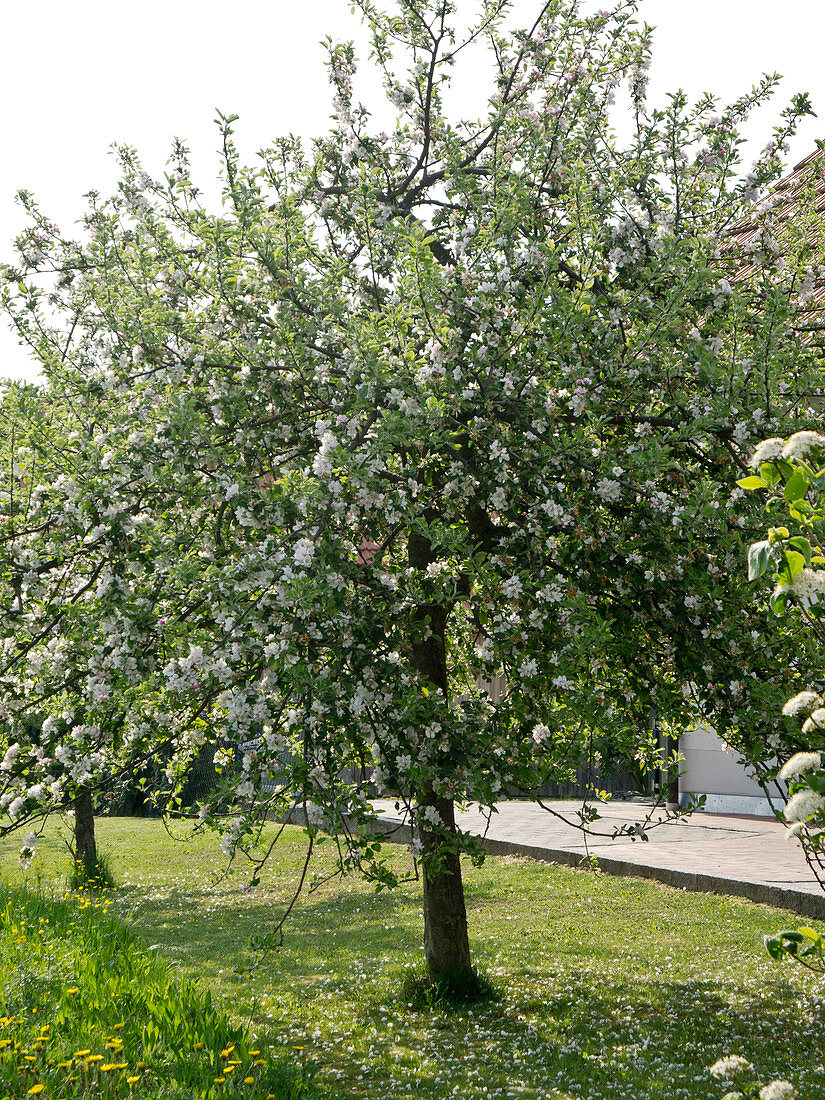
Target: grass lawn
611, 987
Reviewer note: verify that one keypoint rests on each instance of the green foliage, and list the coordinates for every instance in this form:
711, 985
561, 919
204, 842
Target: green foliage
86, 1011
96, 873
450, 992
802, 944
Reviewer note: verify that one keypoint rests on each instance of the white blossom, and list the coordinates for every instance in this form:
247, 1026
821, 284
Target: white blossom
804, 805
609, 490
802, 443
802, 703
778, 1090
801, 764
766, 451
732, 1065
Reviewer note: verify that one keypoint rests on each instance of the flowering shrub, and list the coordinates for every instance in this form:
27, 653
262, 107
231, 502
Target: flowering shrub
791, 472
736, 1070
416, 409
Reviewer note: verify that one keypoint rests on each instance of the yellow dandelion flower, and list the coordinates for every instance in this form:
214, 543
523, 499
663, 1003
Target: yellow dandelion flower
254, 1053
73, 989
117, 1027
259, 1062
108, 1067
249, 1080
81, 1053
121, 1065
95, 1058
64, 1065
132, 1080
35, 1090
219, 1080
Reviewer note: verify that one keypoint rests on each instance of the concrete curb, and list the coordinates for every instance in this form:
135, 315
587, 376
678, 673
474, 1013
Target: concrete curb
801, 902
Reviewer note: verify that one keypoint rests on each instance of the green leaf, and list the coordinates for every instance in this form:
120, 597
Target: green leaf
778, 602
769, 472
753, 482
759, 556
773, 947
803, 545
796, 486
795, 562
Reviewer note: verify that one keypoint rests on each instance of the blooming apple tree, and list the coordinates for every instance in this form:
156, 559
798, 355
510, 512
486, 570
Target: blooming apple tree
417, 408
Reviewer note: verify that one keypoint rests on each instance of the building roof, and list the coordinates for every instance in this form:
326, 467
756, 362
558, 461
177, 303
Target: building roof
790, 205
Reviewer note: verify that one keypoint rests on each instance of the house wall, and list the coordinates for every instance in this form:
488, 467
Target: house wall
712, 769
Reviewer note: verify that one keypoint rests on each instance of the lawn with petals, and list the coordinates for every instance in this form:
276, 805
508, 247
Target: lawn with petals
610, 987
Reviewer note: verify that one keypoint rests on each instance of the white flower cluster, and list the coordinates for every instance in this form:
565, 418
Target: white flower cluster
801, 444
807, 586
815, 722
778, 1090
730, 1067
27, 852
609, 490
796, 447
303, 552
803, 703
804, 805
322, 463
801, 764
767, 451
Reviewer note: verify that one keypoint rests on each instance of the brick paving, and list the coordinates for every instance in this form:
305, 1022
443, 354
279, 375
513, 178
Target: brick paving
716, 853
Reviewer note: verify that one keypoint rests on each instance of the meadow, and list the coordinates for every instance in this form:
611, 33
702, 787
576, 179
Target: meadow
609, 987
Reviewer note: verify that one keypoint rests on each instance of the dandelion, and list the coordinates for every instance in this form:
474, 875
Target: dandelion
132, 1080
35, 1090
249, 1080
801, 764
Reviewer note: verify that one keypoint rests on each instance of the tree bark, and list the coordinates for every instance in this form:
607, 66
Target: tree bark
446, 944
85, 847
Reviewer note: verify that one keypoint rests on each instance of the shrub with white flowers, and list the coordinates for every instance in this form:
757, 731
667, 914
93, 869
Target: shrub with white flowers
737, 1071
791, 472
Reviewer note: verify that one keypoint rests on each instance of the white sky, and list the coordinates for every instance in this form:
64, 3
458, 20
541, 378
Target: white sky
78, 76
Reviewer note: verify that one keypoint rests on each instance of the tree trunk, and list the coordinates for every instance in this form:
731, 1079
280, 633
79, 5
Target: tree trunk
85, 848
446, 945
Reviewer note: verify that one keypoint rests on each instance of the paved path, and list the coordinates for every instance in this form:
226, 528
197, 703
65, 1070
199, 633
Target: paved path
716, 853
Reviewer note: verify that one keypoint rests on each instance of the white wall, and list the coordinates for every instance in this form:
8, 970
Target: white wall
712, 769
